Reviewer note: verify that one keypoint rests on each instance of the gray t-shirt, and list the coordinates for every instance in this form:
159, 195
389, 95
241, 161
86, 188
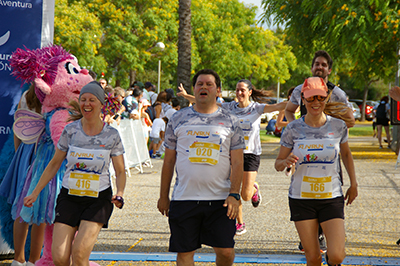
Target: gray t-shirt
203, 143
249, 121
89, 156
316, 173
338, 95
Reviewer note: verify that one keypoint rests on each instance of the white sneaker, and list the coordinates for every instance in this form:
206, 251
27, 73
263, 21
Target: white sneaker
17, 263
28, 263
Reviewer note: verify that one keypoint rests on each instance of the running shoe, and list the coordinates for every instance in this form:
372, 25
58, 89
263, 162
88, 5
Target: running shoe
322, 243
240, 229
256, 199
326, 260
301, 247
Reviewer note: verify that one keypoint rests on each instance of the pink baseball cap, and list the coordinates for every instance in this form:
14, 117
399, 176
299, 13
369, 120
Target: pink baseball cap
314, 86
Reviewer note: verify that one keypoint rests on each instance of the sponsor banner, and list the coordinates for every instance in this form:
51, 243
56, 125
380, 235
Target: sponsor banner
28, 23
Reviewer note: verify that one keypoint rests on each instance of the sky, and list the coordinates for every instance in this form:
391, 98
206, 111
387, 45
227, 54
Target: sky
258, 4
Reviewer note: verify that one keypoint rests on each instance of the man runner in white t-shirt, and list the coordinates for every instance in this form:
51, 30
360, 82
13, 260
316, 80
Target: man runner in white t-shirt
204, 142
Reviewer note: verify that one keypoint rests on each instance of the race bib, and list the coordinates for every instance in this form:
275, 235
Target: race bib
84, 184
204, 153
316, 187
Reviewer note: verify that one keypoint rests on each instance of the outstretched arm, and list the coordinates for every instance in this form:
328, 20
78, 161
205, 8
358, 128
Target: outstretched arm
48, 174
182, 92
274, 107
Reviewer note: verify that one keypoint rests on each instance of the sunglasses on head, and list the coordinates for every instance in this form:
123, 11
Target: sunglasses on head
318, 97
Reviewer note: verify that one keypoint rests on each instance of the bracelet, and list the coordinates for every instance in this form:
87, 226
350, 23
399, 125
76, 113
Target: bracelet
121, 200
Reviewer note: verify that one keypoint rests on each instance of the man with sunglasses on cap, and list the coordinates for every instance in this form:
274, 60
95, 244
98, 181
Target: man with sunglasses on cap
321, 66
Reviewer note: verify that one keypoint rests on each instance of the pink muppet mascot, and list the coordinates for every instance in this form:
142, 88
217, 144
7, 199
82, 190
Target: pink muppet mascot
58, 79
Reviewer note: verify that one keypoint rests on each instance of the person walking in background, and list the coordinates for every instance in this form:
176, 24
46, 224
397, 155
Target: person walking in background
249, 114
382, 113
312, 144
85, 202
206, 144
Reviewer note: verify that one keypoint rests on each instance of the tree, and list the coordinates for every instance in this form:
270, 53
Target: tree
79, 31
228, 40
131, 30
362, 34
184, 45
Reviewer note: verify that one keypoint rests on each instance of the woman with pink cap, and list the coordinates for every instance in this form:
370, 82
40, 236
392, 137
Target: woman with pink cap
311, 145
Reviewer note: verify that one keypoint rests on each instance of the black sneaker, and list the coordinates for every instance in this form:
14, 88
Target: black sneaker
322, 243
326, 260
301, 247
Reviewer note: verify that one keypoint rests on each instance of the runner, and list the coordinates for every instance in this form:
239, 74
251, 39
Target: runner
249, 114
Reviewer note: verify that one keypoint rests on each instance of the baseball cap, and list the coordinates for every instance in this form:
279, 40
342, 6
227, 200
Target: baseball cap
148, 84
314, 86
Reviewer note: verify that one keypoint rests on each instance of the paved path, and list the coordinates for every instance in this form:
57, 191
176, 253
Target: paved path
138, 234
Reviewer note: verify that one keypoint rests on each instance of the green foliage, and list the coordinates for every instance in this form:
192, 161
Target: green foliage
119, 38
363, 32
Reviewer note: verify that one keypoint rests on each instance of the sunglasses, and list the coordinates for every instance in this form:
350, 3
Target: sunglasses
318, 97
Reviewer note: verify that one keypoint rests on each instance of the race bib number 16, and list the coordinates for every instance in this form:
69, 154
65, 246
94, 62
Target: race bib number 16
82, 184
204, 152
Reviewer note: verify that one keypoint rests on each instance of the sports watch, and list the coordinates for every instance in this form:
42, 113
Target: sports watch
235, 195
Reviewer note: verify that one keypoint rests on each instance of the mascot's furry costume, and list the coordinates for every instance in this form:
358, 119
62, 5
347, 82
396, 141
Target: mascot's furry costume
58, 79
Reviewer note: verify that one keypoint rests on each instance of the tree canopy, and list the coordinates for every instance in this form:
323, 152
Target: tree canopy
362, 35
118, 37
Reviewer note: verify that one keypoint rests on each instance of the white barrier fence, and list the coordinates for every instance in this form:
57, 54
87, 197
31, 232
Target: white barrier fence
133, 139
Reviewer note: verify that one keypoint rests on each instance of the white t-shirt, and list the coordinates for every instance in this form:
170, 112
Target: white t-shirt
88, 158
170, 113
316, 172
158, 126
249, 119
203, 143
338, 95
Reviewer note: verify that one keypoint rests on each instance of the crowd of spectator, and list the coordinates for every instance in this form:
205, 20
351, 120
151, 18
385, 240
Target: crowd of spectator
141, 102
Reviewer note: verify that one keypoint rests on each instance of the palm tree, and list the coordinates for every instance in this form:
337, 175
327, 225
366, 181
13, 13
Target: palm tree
184, 45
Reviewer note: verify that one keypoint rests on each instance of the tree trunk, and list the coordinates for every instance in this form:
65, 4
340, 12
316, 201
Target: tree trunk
184, 45
364, 102
132, 77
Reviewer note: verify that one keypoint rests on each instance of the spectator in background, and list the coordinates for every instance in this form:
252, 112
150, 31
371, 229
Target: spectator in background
157, 136
109, 90
219, 98
161, 105
271, 126
176, 106
132, 104
145, 118
382, 113
103, 83
151, 89
140, 85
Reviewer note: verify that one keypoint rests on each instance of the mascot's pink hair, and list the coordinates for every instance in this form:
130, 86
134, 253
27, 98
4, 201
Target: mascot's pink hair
30, 64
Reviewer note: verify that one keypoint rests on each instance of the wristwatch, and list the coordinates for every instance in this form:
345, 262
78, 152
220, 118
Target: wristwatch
235, 195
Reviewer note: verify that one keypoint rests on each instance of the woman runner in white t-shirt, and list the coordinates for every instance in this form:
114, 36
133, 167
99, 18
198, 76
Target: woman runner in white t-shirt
249, 113
85, 202
312, 144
